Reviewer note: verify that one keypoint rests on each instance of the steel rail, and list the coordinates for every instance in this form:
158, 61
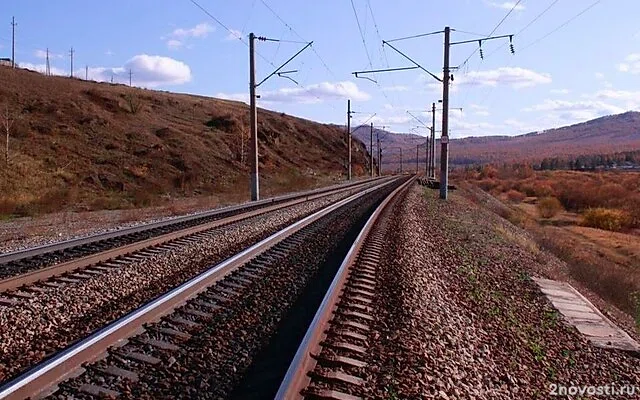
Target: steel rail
67, 244
17, 281
297, 376
63, 364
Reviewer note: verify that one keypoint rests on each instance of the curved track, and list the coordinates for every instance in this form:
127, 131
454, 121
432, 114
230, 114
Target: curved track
228, 296
26, 260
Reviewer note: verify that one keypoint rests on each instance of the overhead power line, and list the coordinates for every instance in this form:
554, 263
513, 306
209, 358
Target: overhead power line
492, 32
324, 64
567, 22
537, 17
364, 43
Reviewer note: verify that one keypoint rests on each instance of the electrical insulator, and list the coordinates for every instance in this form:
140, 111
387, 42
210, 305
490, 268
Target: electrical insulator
511, 45
481, 53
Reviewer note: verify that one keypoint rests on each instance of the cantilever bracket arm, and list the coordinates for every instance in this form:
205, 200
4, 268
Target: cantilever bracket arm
283, 74
285, 63
410, 59
373, 71
417, 119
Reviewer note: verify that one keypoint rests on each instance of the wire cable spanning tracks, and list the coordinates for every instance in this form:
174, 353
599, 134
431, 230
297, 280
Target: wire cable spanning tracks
145, 247
66, 363
333, 350
74, 248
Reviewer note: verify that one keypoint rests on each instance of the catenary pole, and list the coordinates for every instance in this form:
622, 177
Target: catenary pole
253, 121
444, 141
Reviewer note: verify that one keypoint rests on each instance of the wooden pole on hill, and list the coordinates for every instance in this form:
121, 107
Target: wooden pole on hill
71, 55
13, 42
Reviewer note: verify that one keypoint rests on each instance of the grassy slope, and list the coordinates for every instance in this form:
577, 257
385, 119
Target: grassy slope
79, 144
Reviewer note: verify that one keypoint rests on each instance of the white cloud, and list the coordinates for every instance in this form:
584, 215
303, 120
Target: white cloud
482, 113
631, 64
177, 38
147, 71
571, 111
42, 68
109, 53
560, 91
43, 54
514, 77
599, 75
315, 93
198, 31
505, 5
234, 35
174, 44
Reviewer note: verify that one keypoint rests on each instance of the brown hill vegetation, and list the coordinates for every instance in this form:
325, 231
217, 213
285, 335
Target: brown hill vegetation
606, 135
95, 145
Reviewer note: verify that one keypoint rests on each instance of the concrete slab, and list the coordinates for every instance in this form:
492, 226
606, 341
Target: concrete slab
585, 317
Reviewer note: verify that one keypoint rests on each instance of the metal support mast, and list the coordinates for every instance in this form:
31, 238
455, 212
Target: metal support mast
253, 121
371, 151
349, 139
444, 140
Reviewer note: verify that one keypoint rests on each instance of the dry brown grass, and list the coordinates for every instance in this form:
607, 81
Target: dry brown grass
85, 145
515, 196
608, 263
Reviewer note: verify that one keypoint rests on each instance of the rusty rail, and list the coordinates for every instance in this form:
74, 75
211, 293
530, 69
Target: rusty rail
42, 274
59, 367
298, 377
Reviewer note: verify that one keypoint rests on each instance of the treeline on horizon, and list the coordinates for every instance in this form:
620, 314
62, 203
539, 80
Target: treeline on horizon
581, 162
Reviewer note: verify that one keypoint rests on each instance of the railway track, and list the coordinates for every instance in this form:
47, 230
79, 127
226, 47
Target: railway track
330, 362
231, 309
38, 318
111, 250
27, 260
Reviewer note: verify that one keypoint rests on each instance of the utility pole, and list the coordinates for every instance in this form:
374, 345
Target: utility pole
427, 151
130, 74
253, 121
71, 55
371, 151
432, 153
48, 66
349, 139
444, 140
401, 169
379, 154
417, 157
253, 111
13, 42
86, 72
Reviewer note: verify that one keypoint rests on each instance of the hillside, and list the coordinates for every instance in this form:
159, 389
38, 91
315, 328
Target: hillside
603, 135
97, 145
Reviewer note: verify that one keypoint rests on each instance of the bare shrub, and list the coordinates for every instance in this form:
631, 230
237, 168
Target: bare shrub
133, 102
549, 207
607, 219
514, 196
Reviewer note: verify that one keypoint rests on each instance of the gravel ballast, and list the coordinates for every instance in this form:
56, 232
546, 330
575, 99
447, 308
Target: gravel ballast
36, 327
458, 315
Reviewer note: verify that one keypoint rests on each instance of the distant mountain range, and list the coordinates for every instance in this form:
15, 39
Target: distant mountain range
603, 135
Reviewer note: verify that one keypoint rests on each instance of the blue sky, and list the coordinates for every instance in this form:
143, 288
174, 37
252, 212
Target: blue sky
588, 68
